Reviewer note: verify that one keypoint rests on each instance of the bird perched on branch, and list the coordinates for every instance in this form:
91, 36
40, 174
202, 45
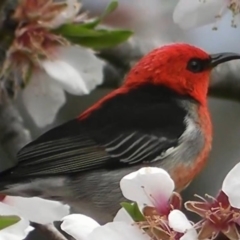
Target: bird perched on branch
158, 117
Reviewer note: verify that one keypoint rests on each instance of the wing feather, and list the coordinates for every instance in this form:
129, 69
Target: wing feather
69, 153
117, 134
136, 147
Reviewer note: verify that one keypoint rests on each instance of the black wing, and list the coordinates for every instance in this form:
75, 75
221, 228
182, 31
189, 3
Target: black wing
134, 127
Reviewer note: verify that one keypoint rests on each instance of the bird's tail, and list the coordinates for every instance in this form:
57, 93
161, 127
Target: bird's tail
46, 187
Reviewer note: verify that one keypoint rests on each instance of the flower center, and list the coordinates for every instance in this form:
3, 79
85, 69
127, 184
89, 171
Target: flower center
220, 216
161, 203
157, 227
217, 215
156, 223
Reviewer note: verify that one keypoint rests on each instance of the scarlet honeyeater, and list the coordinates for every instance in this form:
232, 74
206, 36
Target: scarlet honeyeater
158, 117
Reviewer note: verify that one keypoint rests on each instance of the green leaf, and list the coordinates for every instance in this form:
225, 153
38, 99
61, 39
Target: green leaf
104, 39
109, 9
86, 35
73, 30
7, 221
133, 211
85, 28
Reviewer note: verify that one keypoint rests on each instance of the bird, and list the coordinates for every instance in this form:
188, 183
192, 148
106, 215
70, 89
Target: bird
158, 117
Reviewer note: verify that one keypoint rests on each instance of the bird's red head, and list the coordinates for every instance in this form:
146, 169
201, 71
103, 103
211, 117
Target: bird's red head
181, 67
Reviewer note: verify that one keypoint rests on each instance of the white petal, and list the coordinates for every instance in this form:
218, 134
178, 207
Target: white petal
78, 226
123, 216
6, 209
152, 186
191, 234
43, 98
38, 210
17, 231
65, 16
194, 13
118, 231
87, 65
68, 77
178, 221
231, 186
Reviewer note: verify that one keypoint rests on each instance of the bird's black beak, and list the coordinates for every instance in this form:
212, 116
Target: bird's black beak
222, 57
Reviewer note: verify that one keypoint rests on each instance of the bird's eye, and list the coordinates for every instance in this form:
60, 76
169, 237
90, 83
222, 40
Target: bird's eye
196, 65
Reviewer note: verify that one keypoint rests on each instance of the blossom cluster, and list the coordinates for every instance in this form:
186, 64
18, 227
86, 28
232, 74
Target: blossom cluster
51, 49
45, 64
194, 13
155, 212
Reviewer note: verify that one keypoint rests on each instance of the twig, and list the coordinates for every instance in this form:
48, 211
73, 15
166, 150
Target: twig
119, 61
225, 81
2, 4
6, 8
49, 231
13, 134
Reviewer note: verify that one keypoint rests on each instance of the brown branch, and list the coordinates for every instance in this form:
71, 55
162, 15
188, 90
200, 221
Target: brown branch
6, 7
2, 4
49, 231
13, 134
225, 81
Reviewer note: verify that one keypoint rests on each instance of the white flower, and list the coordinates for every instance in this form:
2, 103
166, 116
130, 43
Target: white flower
231, 186
149, 186
53, 65
76, 70
84, 228
118, 231
194, 13
78, 226
37, 209
19, 230
179, 223
67, 15
176, 220
220, 214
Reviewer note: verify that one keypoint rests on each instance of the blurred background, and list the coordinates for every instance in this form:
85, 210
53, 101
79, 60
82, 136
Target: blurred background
152, 23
